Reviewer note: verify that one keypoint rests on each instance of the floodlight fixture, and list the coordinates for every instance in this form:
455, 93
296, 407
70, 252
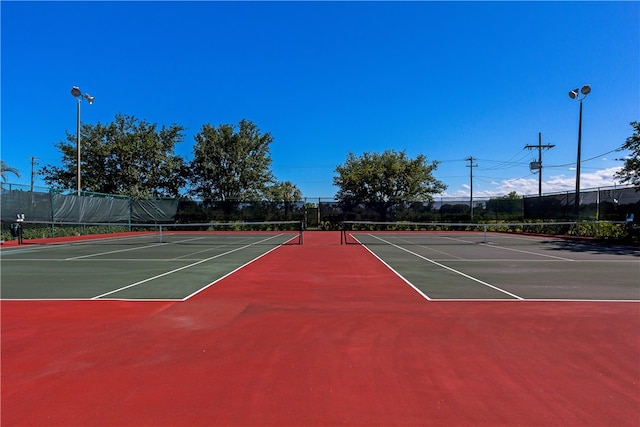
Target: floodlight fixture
77, 93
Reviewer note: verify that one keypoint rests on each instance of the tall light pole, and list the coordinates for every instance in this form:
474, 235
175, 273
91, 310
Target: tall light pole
575, 94
77, 94
471, 166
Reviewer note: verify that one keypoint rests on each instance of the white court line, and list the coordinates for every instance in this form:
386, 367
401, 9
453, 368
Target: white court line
154, 245
181, 268
430, 248
491, 245
92, 299
229, 273
456, 259
453, 270
527, 252
135, 260
130, 249
30, 249
538, 300
394, 271
634, 301
212, 246
37, 247
113, 252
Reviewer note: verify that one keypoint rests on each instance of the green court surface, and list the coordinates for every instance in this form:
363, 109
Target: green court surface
127, 268
503, 267
471, 266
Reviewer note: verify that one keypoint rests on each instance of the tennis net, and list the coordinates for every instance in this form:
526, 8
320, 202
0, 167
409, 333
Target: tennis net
407, 233
228, 233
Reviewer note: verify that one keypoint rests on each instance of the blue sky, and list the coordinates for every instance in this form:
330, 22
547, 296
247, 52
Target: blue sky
446, 79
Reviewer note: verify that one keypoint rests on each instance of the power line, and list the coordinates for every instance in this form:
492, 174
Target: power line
585, 160
506, 164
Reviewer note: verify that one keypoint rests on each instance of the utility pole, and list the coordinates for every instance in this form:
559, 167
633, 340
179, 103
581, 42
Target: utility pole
34, 160
538, 165
471, 165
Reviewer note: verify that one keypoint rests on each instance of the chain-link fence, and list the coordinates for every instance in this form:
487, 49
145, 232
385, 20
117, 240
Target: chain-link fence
612, 204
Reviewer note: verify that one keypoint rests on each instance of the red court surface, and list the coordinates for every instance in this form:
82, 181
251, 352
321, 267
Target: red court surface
319, 335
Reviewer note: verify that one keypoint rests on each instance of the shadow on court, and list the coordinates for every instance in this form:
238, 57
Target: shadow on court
594, 248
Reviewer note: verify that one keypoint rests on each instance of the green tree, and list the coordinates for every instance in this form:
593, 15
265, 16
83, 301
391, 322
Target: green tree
504, 207
630, 172
385, 181
231, 164
129, 157
284, 191
5, 168
284, 194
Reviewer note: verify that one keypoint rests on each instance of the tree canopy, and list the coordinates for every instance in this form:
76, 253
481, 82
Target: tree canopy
135, 158
231, 164
386, 180
129, 157
284, 191
630, 172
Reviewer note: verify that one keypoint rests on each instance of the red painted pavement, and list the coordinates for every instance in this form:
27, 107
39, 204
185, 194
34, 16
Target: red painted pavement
319, 335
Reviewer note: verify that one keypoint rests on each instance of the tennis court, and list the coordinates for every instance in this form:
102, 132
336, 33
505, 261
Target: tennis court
455, 264
389, 331
441, 265
171, 263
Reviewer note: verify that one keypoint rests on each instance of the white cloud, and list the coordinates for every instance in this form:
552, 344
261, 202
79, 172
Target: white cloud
601, 178
554, 184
